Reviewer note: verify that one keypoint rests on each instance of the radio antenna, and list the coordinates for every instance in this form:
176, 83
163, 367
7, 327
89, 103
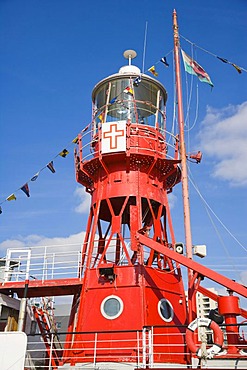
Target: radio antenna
144, 47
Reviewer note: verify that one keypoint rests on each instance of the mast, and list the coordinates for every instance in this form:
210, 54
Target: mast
185, 191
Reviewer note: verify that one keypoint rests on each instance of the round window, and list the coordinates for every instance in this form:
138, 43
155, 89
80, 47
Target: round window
165, 310
111, 307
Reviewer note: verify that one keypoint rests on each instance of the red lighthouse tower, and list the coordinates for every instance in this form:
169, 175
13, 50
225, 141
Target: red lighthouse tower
129, 307
128, 167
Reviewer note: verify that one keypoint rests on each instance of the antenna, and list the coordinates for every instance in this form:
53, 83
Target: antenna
130, 54
144, 47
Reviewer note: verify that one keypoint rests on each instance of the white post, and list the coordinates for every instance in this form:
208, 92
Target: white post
95, 350
50, 366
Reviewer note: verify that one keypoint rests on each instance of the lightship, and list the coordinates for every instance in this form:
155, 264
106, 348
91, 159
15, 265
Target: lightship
131, 309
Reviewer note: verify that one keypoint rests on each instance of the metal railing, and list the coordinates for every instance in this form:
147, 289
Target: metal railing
88, 147
42, 263
141, 349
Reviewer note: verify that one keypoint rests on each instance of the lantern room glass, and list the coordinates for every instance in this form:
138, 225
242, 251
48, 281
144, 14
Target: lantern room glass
142, 104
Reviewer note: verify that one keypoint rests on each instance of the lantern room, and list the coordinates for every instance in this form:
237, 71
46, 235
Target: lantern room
129, 95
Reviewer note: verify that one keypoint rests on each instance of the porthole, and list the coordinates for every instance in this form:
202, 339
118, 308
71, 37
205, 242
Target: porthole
165, 310
111, 307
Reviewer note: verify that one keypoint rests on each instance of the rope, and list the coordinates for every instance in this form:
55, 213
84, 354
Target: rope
222, 224
214, 55
207, 207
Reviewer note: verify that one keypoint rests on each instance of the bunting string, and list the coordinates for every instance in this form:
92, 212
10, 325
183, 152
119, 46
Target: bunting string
224, 60
50, 166
196, 69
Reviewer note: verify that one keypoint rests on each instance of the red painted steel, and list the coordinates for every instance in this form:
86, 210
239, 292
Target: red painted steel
130, 305
203, 270
46, 288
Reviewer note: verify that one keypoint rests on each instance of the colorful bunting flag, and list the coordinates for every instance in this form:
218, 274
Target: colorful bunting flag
101, 117
113, 100
192, 67
75, 141
137, 80
25, 189
152, 70
51, 167
223, 60
1, 210
11, 197
64, 153
85, 128
164, 61
128, 90
34, 178
237, 68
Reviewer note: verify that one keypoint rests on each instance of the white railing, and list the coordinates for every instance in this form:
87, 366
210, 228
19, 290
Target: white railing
42, 263
139, 131
142, 349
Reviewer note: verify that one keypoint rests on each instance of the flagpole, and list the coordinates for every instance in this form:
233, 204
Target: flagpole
182, 149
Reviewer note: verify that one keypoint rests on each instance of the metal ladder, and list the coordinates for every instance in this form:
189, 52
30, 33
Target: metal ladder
50, 337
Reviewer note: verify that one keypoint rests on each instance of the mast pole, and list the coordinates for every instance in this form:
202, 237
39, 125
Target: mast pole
182, 149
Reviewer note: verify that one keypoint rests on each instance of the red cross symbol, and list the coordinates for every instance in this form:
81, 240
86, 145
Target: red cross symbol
113, 135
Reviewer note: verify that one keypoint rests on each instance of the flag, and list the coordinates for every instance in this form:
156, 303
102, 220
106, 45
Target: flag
85, 128
113, 100
64, 153
223, 60
1, 211
128, 90
75, 141
152, 70
11, 197
164, 61
34, 178
51, 167
237, 68
137, 80
192, 67
25, 190
101, 117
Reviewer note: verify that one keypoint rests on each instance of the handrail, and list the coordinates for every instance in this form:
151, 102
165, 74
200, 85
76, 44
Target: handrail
141, 349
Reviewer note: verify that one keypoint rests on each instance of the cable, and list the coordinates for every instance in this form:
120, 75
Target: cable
239, 69
222, 224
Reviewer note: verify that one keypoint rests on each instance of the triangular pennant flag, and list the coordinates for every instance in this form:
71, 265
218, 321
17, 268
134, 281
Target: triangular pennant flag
237, 68
223, 60
51, 167
152, 70
137, 80
64, 153
1, 211
11, 197
34, 178
25, 189
75, 141
85, 128
164, 61
101, 117
128, 90
192, 67
113, 100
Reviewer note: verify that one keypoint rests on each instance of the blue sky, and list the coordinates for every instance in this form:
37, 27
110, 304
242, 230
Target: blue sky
53, 52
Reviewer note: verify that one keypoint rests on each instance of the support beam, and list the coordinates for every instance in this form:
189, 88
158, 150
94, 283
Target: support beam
39, 288
190, 264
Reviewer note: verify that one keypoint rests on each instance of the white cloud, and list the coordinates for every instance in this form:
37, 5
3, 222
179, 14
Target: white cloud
172, 200
51, 258
34, 241
85, 200
243, 277
224, 136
